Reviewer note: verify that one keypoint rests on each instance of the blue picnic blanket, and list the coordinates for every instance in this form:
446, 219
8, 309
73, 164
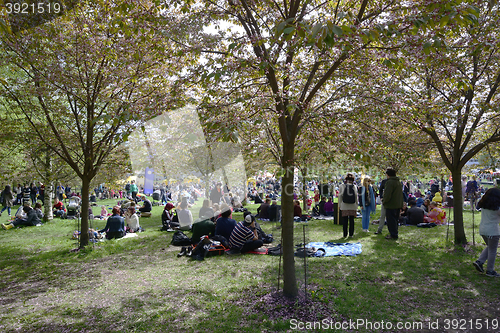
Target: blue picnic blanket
329, 249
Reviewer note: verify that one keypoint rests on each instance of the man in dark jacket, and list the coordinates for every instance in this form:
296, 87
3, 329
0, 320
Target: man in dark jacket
393, 202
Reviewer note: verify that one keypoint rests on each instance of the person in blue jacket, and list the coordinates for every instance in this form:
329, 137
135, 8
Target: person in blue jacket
115, 225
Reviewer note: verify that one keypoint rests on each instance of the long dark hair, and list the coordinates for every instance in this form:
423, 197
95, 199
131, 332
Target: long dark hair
7, 190
490, 200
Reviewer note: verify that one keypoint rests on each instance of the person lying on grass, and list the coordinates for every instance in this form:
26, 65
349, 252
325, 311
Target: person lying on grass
30, 220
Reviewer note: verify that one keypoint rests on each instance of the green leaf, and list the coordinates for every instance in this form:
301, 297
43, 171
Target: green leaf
316, 29
337, 30
288, 30
444, 21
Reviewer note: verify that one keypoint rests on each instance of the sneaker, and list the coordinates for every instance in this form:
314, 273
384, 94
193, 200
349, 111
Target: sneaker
492, 274
390, 237
377, 232
478, 266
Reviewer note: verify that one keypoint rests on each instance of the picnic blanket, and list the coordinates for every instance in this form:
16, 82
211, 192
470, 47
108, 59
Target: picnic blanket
329, 249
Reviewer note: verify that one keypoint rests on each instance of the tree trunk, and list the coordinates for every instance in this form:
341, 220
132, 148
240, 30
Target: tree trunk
458, 213
47, 195
84, 235
289, 281
304, 189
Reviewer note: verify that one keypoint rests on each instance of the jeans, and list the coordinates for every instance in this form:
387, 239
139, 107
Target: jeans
392, 216
381, 221
251, 245
348, 220
3, 210
490, 252
365, 219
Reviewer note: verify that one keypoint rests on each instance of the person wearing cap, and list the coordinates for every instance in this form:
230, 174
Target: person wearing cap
244, 237
393, 202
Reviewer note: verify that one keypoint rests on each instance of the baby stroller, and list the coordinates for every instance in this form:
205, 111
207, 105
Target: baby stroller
156, 198
73, 207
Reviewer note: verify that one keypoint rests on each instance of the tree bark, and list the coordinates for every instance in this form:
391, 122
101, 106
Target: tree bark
290, 289
47, 195
304, 188
84, 235
458, 214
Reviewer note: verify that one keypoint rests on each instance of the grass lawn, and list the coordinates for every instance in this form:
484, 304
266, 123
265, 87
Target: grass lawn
139, 284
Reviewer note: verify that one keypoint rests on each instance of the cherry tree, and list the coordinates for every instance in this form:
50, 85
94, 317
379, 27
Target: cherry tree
289, 61
446, 81
85, 80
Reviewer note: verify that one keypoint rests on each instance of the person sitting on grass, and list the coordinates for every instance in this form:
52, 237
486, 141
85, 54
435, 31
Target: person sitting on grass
132, 220
115, 225
436, 215
167, 217
38, 210
146, 206
244, 237
104, 213
415, 215
225, 224
185, 216
201, 227
206, 210
30, 220
297, 211
263, 210
58, 208
329, 207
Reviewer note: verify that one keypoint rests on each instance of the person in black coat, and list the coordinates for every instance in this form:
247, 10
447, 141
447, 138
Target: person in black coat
30, 220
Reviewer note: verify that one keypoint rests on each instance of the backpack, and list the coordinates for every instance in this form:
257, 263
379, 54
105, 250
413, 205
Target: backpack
127, 187
348, 196
180, 239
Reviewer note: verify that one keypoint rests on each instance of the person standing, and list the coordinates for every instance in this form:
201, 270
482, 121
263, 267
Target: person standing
368, 205
393, 202
489, 229
382, 219
7, 199
134, 189
34, 191
41, 192
348, 198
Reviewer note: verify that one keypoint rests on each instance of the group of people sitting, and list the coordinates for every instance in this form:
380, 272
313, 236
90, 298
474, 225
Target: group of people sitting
26, 216
215, 222
428, 212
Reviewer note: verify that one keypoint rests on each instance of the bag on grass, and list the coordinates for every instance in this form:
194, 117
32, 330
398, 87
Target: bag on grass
180, 239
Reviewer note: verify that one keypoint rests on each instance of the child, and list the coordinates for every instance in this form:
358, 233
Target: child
436, 215
104, 212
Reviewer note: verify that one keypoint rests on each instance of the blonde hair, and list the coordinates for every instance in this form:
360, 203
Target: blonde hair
365, 181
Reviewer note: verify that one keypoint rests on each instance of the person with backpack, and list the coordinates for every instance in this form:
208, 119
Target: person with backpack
348, 198
127, 189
